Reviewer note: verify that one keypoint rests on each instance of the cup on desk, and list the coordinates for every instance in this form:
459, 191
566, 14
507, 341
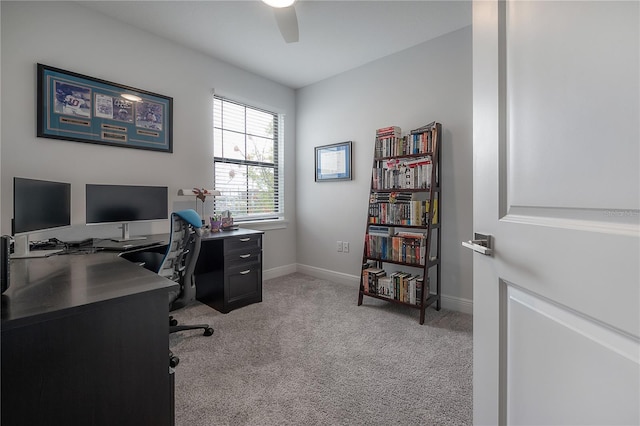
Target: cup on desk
215, 225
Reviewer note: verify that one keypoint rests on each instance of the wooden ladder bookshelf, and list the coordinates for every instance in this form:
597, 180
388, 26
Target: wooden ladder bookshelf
404, 222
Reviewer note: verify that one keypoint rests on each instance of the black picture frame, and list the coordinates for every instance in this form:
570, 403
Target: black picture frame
333, 162
80, 108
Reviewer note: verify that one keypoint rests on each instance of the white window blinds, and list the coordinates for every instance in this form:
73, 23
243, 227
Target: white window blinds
245, 150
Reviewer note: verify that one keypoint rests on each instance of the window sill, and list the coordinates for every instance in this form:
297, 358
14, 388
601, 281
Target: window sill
264, 225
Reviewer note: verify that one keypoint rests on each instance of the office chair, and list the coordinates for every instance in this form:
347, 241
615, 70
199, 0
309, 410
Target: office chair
177, 262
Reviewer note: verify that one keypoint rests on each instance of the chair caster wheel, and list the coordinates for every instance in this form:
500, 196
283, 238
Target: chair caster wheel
174, 361
208, 331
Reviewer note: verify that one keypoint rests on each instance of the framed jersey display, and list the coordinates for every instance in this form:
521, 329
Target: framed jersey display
79, 108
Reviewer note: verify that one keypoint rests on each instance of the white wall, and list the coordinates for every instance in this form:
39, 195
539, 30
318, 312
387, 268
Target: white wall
431, 81
74, 38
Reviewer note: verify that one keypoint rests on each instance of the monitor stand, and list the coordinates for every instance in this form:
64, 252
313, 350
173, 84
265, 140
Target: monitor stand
125, 235
21, 249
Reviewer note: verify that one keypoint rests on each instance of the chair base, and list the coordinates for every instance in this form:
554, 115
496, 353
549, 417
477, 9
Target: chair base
208, 331
173, 360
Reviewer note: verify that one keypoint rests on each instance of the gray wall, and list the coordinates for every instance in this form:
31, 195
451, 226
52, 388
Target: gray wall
74, 38
431, 81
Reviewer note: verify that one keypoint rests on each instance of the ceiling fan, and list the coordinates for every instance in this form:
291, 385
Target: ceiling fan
286, 18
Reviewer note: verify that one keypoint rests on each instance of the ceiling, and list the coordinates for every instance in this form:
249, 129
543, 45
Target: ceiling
335, 36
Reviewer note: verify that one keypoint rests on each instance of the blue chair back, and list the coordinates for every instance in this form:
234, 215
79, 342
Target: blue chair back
179, 261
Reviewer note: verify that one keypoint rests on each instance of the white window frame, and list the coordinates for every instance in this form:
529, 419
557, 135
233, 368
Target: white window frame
273, 220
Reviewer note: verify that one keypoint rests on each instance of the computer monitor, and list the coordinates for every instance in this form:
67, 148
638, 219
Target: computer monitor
38, 205
125, 204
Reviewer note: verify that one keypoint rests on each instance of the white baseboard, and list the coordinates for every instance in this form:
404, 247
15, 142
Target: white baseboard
279, 271
457, 304
326, 274
448, 302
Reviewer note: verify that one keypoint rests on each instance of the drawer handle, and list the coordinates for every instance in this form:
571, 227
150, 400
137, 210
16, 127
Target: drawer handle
244, 256
245, 272
245, 239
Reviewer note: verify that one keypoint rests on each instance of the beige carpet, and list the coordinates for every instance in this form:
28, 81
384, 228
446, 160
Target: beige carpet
308, 355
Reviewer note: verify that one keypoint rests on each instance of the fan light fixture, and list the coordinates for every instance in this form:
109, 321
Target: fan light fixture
279, 3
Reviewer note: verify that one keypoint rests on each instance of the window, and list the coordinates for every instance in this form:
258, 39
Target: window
245, 151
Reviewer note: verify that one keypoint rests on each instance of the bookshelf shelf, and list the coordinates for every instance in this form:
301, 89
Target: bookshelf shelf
403, 221
430, 300
390, 190
434, 226
417, 155
396, 262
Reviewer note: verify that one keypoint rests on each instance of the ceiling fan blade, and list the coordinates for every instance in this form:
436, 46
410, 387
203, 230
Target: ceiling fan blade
287, 23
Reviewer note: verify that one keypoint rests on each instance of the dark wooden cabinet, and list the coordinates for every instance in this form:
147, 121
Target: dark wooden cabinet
85, 341
229, 269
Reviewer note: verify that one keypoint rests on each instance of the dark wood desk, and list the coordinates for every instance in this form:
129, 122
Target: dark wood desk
84, 341
228, 273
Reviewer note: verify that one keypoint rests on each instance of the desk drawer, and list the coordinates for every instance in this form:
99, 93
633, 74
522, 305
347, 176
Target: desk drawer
236, 260
244, 243
244, 283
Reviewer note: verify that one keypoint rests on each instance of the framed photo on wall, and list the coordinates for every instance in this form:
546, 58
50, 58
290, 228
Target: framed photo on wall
333, 162
79, 108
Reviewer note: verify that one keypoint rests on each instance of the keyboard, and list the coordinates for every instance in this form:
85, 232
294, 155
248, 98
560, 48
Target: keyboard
126, 245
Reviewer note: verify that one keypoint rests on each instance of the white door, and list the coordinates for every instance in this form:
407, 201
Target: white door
556, 183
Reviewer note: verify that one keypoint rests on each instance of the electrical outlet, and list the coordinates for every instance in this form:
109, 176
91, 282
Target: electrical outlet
339, 246
345, 246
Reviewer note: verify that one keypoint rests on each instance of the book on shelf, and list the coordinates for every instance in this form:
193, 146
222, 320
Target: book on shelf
401, 212
423, 137
385, 287
398, 285
390, 197
412, 234
370, 278
424, 128
434, 212
389, 130
368, 264
409, 173
405, 249
390, 146
412, 289
384, 231
390, 142
419, 285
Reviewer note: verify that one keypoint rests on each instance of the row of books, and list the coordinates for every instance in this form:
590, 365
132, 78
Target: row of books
403, 174
413, 213
402, 247
398, 285
390, 197
390, 143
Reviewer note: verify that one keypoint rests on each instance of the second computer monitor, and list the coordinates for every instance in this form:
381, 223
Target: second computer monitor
125, 204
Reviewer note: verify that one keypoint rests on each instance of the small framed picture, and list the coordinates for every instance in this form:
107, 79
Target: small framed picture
333, 162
